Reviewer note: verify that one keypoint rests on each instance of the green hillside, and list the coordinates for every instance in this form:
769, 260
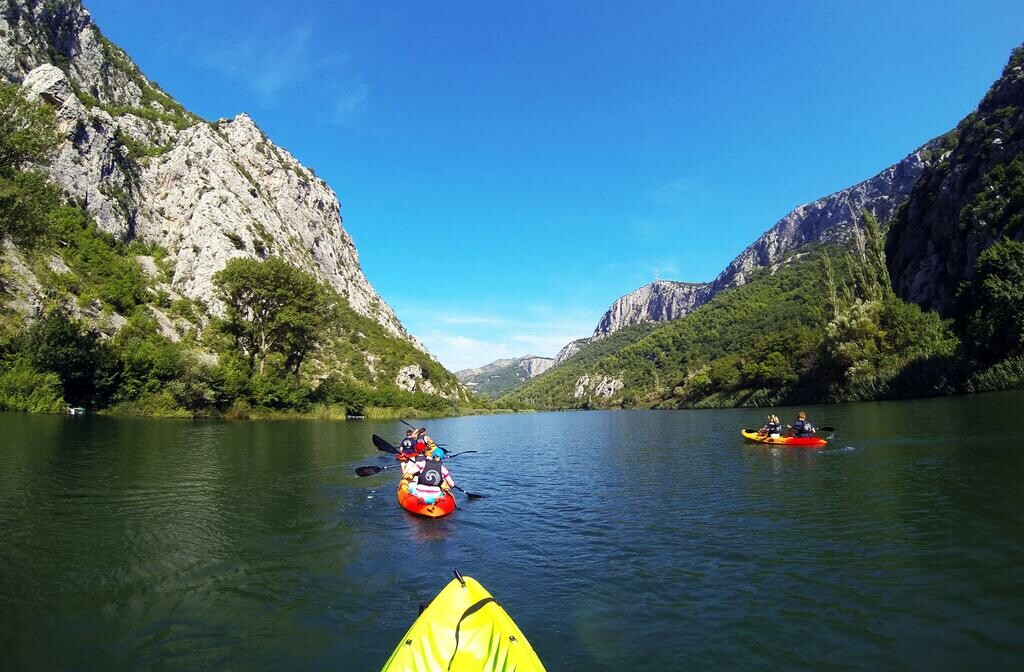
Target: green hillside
106, 331
824, 327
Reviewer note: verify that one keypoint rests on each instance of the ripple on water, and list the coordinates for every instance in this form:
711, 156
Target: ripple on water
653, 541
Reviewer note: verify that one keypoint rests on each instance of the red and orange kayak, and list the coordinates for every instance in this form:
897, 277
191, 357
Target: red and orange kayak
444, 505
790, 441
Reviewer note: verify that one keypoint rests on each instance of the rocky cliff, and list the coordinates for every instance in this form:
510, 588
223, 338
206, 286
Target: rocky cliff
570, 349
833, 219
146, 168
969, 198
659, 301
503, 375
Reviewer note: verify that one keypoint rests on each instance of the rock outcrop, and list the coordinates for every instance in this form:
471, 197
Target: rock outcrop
503, 375
659, 301
602, 387
570, 349
146, 168
968, 199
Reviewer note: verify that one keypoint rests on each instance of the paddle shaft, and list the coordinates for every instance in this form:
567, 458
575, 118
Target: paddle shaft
471, 495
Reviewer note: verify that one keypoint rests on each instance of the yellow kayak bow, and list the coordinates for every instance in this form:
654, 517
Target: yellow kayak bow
463, 630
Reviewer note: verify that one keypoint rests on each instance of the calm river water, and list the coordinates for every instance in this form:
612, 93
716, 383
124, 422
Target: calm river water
616, 540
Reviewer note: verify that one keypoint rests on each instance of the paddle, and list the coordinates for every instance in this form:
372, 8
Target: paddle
471, 495
384, 445
370, 470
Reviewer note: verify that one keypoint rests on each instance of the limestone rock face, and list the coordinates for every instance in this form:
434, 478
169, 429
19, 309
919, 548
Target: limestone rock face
659, 301
411, 379
604, 387
503, 375
533, 366
146, 168
833, 219
570, 349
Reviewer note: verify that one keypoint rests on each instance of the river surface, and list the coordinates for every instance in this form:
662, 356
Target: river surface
653, 540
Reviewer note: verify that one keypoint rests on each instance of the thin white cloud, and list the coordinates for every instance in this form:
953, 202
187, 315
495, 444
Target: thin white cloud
674, 191
350, 100
460, 352
283, 62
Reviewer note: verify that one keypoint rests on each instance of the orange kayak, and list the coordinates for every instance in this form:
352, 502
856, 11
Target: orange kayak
444, 505
791, 441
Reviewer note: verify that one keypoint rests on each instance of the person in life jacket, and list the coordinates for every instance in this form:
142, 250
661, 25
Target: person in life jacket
773, 428
428, 478
424, 444
408, 445
802, 429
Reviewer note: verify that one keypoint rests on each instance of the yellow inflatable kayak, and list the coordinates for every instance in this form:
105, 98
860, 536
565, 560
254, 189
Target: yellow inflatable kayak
463, 630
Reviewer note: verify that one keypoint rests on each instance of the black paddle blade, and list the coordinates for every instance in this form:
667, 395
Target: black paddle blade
368, 470
471, 495
827, 429
384, 445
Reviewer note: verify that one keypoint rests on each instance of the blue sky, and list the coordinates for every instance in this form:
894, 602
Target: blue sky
507, 170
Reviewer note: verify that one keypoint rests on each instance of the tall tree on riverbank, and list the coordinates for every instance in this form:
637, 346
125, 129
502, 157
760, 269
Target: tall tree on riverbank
991, 315
272, 307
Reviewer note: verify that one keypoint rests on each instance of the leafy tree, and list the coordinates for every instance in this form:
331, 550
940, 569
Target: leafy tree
877, 284
23, 388
991, 315
28, 132
27, 137
272, 307
59, 344
26, 200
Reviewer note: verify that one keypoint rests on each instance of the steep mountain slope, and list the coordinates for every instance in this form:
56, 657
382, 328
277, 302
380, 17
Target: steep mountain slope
503, 374
146, 168
189, 196
848, 335
967, 200
834, 219
660, 301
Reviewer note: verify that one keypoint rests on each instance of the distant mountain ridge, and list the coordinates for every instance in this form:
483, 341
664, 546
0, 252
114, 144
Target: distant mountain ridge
503, 375
945, 203
835, 218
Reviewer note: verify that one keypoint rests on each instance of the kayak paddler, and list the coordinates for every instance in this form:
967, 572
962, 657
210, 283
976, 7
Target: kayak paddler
424, 444
802, 428
773, 428
408, 445
428, 477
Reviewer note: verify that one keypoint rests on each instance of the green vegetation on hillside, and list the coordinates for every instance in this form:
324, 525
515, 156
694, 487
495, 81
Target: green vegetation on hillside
99, 338
824, 327
991, 317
